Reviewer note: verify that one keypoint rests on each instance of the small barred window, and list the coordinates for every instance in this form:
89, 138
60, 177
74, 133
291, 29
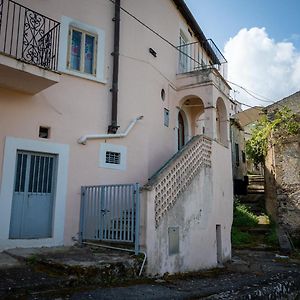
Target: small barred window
113, 157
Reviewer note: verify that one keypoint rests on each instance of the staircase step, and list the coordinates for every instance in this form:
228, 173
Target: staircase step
252, 198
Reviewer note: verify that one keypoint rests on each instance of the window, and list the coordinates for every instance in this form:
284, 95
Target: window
82, 51
244, 157
183, 54
237, 154
166, 117
113, 157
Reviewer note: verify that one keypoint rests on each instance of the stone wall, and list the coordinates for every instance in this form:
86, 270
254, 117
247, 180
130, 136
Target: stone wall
283, 183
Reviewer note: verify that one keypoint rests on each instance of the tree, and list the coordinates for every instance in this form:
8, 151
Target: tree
282, 123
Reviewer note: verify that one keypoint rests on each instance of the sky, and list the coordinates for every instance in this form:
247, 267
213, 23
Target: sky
261, 42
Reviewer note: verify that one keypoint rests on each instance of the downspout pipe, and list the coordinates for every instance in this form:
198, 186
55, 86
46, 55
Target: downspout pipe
83, 139
113, 127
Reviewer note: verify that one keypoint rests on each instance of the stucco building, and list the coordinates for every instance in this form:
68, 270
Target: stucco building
98, 94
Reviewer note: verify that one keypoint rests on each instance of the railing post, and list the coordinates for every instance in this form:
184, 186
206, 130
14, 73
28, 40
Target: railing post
137, 219
81, 220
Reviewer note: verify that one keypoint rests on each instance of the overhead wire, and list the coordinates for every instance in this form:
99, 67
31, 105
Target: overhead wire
249, 92
152, 30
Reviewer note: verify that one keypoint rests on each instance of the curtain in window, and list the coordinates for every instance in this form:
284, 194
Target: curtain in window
89, 54
76, 50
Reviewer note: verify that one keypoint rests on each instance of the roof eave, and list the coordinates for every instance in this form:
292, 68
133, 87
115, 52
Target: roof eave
186, 13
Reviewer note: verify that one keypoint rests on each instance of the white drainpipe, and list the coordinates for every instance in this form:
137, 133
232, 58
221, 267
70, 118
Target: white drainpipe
83, 139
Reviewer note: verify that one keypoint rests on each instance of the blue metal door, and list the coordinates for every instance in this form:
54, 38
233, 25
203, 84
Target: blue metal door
33, 196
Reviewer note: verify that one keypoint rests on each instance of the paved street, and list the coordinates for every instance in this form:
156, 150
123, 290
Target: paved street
255, 274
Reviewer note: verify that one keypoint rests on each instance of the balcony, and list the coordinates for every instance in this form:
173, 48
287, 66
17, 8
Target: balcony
28, 48
200, 63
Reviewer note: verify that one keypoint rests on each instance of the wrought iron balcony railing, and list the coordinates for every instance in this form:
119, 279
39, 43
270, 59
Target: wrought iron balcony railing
199, 56
28, 36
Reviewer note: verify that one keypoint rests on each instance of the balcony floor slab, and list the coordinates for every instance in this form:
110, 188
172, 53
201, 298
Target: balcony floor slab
27, 78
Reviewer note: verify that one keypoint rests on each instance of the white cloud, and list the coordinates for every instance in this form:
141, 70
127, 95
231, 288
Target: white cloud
262, 65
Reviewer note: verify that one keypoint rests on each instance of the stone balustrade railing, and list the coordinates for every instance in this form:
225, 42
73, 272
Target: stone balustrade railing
176, 175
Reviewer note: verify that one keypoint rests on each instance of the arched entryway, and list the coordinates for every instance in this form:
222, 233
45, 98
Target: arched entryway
181, 130
190, 119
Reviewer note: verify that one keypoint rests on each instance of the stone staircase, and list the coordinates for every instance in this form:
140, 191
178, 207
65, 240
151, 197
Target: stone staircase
255, 200
256, 184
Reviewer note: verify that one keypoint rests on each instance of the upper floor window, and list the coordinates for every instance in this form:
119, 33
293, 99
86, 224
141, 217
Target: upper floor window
183, 53
82, 51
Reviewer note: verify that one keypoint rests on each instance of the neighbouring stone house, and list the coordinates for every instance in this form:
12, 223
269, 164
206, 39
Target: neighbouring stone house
282, 173
239, 163
247, 120
93, 103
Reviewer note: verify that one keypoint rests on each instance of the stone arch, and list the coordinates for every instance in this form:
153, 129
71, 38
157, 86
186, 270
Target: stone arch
191, 108
221, 122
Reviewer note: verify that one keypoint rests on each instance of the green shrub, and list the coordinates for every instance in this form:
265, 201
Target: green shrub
242, 216
284, 122
239, 237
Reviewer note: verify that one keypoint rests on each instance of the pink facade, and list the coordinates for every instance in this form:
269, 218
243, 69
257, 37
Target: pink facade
74, 103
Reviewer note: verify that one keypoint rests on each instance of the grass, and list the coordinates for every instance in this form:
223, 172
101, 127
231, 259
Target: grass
240, 238
243, 217
243, 220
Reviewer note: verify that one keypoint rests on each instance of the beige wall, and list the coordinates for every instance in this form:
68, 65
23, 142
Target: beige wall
76, 106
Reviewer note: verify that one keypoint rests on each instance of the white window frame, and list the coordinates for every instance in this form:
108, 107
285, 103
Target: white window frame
82, 50
68, 24
105, 147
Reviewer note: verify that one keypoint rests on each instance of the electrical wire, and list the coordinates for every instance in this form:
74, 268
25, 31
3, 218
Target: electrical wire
153, 31
249, 92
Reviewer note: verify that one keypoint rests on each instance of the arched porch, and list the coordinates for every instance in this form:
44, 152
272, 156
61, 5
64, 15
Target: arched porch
191, 120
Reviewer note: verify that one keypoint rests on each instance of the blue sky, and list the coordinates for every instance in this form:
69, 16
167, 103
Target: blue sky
260, 40
222, 19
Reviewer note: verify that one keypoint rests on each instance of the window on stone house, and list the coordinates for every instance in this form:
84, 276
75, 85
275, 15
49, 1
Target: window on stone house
244, 157
82, 51
237, 154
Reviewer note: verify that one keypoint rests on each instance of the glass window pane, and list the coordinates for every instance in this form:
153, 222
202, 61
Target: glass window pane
75, 50
89, 54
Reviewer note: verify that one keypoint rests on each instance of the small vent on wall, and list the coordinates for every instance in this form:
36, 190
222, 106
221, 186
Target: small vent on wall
44, 132
113, 157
